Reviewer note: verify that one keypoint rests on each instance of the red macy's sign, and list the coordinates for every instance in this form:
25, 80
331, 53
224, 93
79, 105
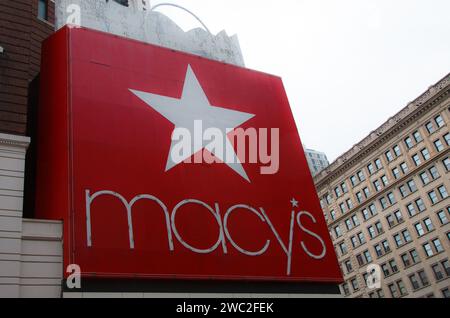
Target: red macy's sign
168, 165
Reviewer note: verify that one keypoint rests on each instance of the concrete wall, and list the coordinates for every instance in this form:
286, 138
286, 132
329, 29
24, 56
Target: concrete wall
30, 250
148, 26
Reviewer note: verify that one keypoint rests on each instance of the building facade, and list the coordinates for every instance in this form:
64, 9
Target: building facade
317, 161
31, 250
386, 203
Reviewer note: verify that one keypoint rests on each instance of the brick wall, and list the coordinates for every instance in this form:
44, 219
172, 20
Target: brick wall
21, 34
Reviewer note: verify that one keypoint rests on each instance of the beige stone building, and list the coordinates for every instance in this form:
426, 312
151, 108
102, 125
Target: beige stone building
386, 203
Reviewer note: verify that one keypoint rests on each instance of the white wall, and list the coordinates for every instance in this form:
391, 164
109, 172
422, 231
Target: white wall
30, 250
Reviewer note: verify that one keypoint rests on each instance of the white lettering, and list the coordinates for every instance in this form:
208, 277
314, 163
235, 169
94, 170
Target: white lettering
324, 248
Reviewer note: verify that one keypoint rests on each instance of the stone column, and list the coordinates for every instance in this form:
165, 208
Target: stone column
12, 172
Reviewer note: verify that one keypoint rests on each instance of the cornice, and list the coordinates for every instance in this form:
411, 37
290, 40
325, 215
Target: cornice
14, 141
428, 100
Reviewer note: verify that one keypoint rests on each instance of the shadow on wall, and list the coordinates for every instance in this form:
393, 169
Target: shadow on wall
30, 159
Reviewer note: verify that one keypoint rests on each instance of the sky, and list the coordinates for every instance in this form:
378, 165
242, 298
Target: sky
347, 65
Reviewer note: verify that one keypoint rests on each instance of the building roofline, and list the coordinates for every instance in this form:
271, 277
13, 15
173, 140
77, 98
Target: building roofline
345, 161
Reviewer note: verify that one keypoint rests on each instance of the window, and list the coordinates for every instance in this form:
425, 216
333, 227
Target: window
396, 173
361, 238
424, 177
430, 127
365, 278
349, 224
393, 291
368, 257
414, 283
398, 240
446, 265
348, 266
393, 266
443, 192
337, 231
439, 121
403, 191
428, 224
437, 245
378, 164
366, 214
42, 10
417, 136
386, 246
437, 272
390, 220
379, 227
355, 284
359, 197
406, 236
433, 197
438, 145
446, 292
405, 260
349, 204
389, 156
412, 186
377, 185
346, 289
338, 192
414, 256
328, 198
420, 205
361, 175
386, 270
416, 160
343, 208
411, 210
408, 142
355, 220
447, 139
372, 232
446, 163
423, 278
428, 250
425, 154
397, 150
410, 258
373, 209
353, 181
343, 248
391, 198
344, 187
383, 203
371, 168
442, 217
333, 215
404, 167
434, 173
419, 229
401, 287
354, 241
366, 192
385, 180
398, 216
378, 250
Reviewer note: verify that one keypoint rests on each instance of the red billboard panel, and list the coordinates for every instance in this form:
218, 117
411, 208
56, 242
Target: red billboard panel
168, 165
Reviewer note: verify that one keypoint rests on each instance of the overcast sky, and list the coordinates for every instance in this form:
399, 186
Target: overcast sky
347, 65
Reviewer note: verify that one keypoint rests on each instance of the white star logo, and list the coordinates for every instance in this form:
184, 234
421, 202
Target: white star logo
294, 203
194, 106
